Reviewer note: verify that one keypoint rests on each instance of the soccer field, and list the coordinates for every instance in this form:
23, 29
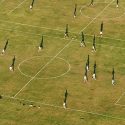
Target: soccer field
33, 93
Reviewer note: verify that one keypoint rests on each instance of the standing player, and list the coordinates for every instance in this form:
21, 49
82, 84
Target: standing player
85, 75
5, 47
41, 44
66, 32
82, 43
113, 77
92, 2
117, 3
31, 6
94, 72
65, 100
101, 29
13, 64
94, 46
75, 10
87, 64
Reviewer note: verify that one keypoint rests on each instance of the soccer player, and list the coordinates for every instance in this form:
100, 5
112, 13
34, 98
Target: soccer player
65, 99
94, 72
75, 10
117, 3
41, 44
94, 46
87, 64
0, 96
82, 43
12, 65
113, 77
92, 2
101, 29
31, 6
5, 47
66, 32
85, 75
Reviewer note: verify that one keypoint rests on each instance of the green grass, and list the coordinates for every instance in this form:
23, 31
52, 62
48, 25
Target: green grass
91, 103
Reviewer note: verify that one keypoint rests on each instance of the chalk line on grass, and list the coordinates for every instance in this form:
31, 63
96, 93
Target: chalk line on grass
16, 7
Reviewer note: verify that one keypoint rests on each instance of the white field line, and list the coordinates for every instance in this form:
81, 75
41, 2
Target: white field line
68, 109
108, 18
121, 105
16, 7
29, 33
97, 16
120, 98
43, 68
54, 77
34, 26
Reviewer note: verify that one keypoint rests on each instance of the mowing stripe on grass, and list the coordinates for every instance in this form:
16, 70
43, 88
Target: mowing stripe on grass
60, 30
36, 35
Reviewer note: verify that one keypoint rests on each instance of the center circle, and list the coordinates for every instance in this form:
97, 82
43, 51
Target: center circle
111, 12
58, 67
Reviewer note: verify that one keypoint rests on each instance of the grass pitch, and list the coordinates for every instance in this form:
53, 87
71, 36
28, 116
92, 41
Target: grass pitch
41, 78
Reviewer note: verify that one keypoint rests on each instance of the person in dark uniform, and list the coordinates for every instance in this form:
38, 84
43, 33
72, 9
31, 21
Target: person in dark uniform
41, 44
82, 43
113, 77
65, 100
5, 47
31, 6
101, 29
94, 45
94, 72
13, 64
75, 10
66, 32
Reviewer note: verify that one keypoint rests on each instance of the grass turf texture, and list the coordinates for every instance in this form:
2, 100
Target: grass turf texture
24, 29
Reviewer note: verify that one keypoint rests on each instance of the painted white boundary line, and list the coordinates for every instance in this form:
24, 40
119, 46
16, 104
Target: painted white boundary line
16, 7
97, 16
43, 68
34, 26
121, 105
120, 97
68, 109
108, 18
52, 77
